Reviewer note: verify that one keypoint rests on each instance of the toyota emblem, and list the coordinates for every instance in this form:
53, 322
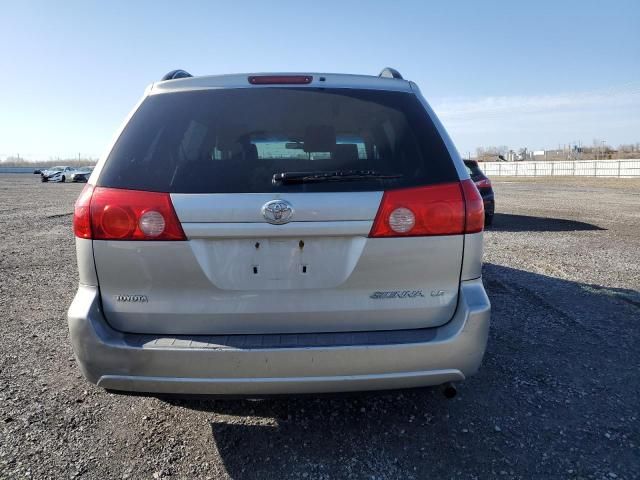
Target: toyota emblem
277, 212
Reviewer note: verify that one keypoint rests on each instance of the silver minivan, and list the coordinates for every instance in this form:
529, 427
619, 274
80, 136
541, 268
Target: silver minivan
279, 233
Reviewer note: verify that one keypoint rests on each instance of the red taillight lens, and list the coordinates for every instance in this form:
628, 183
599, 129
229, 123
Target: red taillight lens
484, 183
436, 210
446, 209
280, 79
81, 213
116, 214
113, 222
133, 215
474, 207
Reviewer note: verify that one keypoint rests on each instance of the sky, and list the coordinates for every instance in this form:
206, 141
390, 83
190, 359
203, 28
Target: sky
537, 74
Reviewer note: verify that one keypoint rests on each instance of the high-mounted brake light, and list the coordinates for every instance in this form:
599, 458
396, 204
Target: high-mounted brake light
280, 79
115, 214
445, 209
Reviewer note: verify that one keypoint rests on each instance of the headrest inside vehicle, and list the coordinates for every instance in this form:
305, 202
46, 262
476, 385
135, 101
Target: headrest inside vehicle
319, 138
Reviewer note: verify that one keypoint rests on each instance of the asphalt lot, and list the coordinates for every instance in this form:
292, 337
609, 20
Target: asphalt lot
558, 395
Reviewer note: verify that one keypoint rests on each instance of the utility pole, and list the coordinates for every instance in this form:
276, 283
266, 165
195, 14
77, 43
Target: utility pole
579, 156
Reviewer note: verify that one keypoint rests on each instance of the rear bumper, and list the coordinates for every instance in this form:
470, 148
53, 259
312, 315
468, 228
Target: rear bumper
279, 364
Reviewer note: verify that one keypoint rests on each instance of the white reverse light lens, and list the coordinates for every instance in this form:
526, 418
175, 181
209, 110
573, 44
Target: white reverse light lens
152, 223
402, 220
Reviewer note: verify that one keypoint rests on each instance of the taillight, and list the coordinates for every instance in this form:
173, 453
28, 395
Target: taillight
116, 214
484, 183
445, 209
474, 207
81, 213
280, 79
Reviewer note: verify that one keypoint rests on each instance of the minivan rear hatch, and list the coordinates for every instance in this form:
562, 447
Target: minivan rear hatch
276, 189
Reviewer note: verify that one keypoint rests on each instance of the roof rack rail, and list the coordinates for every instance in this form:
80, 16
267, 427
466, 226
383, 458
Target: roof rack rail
173, 74
389, 72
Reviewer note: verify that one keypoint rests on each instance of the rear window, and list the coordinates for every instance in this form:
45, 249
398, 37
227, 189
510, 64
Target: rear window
235, 140
473, 168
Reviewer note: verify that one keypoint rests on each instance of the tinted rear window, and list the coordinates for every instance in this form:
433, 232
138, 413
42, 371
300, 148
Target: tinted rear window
235, 140
473, 168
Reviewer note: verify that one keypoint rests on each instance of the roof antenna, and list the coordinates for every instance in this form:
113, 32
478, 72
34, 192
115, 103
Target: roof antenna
173, 74
389, 72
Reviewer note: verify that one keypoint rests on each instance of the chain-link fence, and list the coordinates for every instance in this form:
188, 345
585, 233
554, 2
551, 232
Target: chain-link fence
585, 168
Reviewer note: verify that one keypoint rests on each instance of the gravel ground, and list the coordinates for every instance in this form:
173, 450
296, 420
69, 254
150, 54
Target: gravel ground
558, 395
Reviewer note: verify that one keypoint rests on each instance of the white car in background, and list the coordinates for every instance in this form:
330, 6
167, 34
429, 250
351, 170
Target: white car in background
57, 174
54, 174
81, 175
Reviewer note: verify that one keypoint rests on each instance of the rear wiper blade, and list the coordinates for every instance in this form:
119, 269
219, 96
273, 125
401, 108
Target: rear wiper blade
331, 176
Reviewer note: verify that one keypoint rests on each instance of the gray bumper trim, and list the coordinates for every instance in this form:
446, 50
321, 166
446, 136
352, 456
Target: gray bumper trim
272, 386
278, 341
263, 364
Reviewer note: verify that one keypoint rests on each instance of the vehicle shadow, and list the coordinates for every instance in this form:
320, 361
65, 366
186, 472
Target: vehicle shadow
557, 376
327, 436
506, 222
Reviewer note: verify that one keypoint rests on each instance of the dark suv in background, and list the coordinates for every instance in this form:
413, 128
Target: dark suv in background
486, 190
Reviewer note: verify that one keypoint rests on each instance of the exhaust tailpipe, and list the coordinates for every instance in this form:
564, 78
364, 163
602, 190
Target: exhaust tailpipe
449, 390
